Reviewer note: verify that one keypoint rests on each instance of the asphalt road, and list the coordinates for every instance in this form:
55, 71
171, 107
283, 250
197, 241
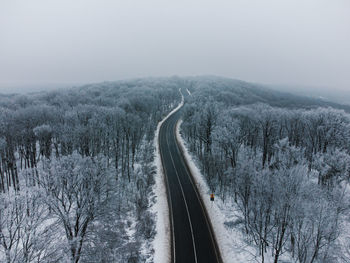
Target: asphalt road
192, 239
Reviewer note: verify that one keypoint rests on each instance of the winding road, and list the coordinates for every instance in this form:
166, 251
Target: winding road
192, 237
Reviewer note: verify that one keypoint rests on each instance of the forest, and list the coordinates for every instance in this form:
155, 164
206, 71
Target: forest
77, 170
284, 165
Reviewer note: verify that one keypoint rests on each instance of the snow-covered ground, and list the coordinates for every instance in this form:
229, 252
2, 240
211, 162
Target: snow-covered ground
161, 243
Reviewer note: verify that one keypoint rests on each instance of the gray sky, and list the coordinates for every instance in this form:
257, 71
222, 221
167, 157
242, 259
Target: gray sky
304, 42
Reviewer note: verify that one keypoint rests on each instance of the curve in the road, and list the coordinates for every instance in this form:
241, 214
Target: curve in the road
193, 240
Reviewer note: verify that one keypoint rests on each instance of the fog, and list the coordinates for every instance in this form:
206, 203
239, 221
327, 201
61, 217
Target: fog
62, 42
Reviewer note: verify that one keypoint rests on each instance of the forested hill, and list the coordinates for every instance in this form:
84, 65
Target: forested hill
279, 166
237, 92
232, 92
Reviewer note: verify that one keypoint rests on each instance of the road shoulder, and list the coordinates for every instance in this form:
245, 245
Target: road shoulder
231, 243
162, 240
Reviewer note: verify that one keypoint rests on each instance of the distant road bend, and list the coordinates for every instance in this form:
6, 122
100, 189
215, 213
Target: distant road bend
192, 237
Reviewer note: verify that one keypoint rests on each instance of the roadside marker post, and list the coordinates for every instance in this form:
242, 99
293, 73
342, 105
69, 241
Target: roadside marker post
211, 197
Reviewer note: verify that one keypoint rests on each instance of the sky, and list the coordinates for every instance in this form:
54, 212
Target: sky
63, 42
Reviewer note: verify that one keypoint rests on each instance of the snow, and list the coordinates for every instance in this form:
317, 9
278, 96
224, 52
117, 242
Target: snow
161, 243
344, 235
231, 242
130, 230
189, 92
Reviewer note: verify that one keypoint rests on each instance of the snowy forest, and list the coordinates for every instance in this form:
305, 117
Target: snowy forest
283, 164
77, 169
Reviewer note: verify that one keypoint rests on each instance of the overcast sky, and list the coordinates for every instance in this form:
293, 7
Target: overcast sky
304, 42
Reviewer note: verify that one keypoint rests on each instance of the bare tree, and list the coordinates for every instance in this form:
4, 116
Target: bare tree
76, 189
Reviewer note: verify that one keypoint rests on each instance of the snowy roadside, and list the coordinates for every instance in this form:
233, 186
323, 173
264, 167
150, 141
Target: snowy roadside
231, 241
161, 243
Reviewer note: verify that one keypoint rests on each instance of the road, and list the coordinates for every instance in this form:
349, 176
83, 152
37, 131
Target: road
192, 238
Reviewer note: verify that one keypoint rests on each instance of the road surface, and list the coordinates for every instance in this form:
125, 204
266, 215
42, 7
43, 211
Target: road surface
192, 238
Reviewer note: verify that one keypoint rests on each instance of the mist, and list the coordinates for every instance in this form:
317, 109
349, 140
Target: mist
334, 94
47, 44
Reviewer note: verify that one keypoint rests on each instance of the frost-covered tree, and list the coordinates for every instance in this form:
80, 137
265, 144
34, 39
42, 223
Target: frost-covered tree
76, 189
